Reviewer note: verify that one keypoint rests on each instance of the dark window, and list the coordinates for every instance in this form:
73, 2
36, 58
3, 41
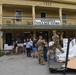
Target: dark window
43, 15
9, 38
18, 15
64, 18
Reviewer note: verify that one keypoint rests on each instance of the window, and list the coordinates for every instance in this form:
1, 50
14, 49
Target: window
64, 18
43, 14
18, 15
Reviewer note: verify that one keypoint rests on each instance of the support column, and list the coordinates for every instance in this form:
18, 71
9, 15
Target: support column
1, 33
60, 15
0, 14
33, 14
34, 34
1, 40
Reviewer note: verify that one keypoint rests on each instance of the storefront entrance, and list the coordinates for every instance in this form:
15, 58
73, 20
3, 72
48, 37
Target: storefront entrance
8, 38
28, 34
44, 34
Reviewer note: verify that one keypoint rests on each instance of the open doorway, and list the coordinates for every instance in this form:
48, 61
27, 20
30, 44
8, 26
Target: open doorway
28, 34
8, 37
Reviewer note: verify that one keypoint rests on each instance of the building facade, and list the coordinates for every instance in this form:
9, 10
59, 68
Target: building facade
21, 19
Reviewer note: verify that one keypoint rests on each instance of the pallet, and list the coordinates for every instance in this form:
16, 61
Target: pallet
71, 64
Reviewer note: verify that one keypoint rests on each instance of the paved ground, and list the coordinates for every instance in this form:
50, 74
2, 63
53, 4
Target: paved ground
21, 65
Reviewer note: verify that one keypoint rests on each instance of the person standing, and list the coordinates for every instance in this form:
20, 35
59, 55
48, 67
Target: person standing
31, 42
34, 48
28, 48
56, 44
16, 47
45, 50
40, 45
24, 46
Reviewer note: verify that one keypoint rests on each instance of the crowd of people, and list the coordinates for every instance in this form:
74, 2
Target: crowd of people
39, 47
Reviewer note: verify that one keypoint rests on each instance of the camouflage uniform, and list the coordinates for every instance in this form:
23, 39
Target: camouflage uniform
56, 44
40, 46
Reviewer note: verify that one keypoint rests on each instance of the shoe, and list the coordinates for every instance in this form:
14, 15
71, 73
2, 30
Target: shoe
45, 60
39, 62
36, 57
33, 56
42, 63
23, 53
16, 53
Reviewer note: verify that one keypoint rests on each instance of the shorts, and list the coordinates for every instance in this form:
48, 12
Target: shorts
34, 48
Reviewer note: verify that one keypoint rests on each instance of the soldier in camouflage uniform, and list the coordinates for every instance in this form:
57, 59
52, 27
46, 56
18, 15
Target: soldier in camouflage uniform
40, 45
56, 44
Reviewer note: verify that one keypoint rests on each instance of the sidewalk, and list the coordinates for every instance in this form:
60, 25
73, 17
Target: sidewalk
21, 65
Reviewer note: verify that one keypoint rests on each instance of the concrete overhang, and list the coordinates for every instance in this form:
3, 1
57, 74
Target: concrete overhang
37, 27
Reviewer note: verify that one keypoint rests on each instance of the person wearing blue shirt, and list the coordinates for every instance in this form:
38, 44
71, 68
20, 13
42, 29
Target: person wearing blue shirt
28, 48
